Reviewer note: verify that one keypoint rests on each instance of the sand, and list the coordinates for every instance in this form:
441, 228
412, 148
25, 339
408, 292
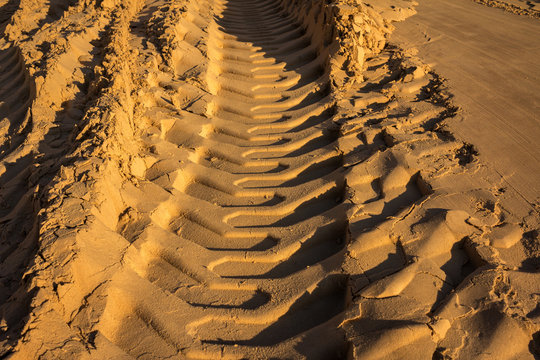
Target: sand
495, 88
269, 179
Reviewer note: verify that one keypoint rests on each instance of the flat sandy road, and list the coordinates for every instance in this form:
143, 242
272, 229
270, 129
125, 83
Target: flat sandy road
490, 58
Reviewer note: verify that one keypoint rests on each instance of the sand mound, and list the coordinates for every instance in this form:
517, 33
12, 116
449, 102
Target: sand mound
244, 179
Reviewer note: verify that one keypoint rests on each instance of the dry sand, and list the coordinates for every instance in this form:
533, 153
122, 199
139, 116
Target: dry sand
494, 73
269, 179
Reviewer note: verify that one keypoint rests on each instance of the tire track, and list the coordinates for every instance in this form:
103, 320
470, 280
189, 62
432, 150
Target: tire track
42, 109
16, 95
244, 179
246, 242
17, 91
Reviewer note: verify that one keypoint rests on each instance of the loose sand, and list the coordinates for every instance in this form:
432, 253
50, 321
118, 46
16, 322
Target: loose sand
269, 179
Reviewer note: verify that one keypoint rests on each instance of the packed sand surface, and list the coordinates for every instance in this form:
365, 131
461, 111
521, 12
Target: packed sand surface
269, 179
494, 73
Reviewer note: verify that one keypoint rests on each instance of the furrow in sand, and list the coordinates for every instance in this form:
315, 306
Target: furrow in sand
17, 92
16, 95
39, 117
246, 250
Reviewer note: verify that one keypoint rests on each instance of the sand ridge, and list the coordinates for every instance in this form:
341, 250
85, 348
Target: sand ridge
519, 7
244, 179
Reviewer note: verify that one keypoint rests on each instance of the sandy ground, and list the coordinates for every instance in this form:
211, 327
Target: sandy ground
269, 179
496, 88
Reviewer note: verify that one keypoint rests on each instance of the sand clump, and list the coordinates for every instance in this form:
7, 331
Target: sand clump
241, 179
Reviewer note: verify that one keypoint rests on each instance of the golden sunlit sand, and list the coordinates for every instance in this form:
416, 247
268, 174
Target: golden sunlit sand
269, 179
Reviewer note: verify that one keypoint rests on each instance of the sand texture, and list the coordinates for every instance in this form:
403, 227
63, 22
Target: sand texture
519, 7
269, 179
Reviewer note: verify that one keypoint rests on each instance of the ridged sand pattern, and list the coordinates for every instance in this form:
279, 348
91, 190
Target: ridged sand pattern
266, 179
257, 205
16, 96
